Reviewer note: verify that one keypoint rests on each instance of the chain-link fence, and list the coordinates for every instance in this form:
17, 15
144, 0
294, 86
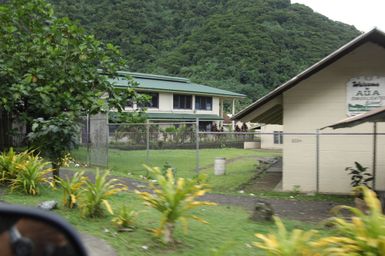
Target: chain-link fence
311, 161
127, 147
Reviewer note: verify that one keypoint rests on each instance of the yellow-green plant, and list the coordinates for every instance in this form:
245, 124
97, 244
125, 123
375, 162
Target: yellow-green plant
9, 161
125, 218
174, 199
94, 195
71, 187
31, 175
285, 243
363, 234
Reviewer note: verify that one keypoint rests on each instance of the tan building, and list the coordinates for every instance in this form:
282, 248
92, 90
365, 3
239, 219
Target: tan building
349, 81
271, 136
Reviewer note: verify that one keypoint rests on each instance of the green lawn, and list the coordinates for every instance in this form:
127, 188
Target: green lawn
130, 164
229, 229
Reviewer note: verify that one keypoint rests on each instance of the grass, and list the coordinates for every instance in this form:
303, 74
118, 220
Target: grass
229, 231
130, 163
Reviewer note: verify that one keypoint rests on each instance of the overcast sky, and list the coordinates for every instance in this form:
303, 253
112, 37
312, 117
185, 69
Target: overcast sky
363, 14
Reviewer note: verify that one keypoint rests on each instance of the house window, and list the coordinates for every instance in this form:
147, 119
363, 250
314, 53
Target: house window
278, 137
153, 102
182, 101
203, 103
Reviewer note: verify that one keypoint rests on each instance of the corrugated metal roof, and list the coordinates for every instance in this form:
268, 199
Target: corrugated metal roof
374, 35
172, 84
182, 116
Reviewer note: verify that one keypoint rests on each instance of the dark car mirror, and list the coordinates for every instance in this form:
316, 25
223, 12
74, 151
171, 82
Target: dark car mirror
28, 231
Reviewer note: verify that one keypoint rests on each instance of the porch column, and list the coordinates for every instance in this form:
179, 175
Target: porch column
232, 114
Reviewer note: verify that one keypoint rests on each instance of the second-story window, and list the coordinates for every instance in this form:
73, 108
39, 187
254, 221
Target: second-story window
182, 101
203, 103
153, 101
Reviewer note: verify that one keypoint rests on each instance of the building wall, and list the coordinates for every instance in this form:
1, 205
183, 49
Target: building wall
267, 137
317, 102
166, 106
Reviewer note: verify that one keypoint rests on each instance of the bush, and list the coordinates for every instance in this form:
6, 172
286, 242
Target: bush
284, 243
71, 188
174, 199
94, 196
31, 175
359, 175
125, 218
364, 234
9, 164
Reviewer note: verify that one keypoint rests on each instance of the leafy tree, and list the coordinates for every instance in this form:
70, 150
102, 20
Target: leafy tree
50, 66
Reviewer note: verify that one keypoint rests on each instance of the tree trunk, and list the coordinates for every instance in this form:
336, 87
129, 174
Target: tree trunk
168, 233
55, 172
5, 129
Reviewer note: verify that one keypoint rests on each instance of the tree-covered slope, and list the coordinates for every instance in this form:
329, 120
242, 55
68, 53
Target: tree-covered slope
247, 46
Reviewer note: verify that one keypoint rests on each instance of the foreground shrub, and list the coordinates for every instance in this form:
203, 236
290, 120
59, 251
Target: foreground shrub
174, 200
285, 243
71, 188
94, 195
125, 218
31, 175
9, 164
363, 234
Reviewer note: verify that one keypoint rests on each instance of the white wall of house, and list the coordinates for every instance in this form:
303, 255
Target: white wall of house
319, 101
267, 136
166, 105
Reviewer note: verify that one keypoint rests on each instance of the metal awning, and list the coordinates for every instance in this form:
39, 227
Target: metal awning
375, 115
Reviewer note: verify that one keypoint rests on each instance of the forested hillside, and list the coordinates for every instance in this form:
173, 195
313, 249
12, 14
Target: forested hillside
247, 46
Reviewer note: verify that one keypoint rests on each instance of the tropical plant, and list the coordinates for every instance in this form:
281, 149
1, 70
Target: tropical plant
71, 187
174, 199
359, 175
9, 163
285, 243
125, 218
363, 234
94, 195
167, 166
31, 176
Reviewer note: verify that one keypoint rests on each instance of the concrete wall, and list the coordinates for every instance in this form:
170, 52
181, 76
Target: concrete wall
267, 140
319, 101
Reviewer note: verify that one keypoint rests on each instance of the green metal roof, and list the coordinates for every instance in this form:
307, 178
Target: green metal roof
182, 117
149, 82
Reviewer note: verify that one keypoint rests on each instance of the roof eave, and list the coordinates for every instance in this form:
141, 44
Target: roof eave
183, 91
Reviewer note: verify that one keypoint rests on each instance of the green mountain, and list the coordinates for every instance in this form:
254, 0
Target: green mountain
247, 46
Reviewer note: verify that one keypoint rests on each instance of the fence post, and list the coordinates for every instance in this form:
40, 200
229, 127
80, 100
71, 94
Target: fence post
197, 144
374, 153
88, 139
317, 159
147, 141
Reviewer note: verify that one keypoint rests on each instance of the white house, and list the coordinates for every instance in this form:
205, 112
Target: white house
349, 81
175, 99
